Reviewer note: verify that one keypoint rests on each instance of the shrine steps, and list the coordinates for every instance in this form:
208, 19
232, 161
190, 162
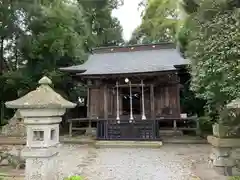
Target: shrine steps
128, 144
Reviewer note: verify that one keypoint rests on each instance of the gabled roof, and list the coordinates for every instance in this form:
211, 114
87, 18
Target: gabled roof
130, 59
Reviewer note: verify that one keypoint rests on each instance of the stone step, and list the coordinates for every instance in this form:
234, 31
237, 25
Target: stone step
170, 133
128, 144
183, 140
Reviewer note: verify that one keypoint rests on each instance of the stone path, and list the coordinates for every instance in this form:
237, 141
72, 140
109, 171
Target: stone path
170, 162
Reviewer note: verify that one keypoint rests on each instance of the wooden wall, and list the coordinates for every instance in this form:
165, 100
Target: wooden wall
147, 103
166, 101
96, 98
96, 102
111, 102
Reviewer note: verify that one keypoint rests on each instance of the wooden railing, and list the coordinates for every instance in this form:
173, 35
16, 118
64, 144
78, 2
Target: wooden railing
141, 130
79, 120
182, 124
104, 126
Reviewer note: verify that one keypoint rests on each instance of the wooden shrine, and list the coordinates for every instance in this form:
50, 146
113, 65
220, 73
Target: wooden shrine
131, 86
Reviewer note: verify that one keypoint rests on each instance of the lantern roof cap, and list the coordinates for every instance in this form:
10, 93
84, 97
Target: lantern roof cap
41, 98
234, 104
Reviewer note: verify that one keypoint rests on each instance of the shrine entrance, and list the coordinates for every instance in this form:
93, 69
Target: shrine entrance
136, 101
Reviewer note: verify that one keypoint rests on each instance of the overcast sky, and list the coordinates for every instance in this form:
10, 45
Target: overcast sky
129, 16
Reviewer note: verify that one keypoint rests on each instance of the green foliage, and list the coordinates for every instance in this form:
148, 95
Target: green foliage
206, 123
190, 104
105, 30
159, 23
213, 48
189, 6
74, 178
209, 77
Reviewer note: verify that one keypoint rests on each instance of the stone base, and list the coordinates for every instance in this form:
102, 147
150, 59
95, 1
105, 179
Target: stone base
225, 155
41, 168
224, 142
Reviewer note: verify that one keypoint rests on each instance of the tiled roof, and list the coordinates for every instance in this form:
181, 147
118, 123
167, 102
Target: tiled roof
123, 62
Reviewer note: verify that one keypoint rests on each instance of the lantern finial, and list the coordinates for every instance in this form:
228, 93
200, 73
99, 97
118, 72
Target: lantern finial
45, 81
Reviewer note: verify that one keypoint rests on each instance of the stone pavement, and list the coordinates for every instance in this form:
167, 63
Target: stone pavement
170, 162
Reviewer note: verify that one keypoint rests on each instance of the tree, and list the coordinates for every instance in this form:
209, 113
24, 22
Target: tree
213, 48
105, 30
189, 7
54, 36
45, 35
10, 31
57, 38
159, 22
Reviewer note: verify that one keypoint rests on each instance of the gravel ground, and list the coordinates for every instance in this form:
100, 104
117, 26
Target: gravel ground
170, 162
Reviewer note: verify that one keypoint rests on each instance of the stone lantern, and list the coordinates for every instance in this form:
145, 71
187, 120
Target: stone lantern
42, 110
225, 155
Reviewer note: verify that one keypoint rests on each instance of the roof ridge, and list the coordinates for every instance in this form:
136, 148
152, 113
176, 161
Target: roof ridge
133, 45
137, 47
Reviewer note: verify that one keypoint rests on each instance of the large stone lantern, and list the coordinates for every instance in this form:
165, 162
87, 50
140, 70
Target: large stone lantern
42, 110
225, 155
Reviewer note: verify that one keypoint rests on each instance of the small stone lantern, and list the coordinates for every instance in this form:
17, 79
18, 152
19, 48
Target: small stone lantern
42, 110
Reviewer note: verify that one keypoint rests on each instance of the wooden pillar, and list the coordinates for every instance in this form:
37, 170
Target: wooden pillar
143, 105
117, 118
120, 103
89, 108
88, 102
152, 101
131, 110
105, 105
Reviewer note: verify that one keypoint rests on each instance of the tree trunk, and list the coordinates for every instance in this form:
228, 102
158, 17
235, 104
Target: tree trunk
1, 72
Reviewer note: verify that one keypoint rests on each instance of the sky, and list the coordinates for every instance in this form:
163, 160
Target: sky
129, 17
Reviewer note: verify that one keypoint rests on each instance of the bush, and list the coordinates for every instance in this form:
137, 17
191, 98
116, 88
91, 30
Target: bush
74, 178
205, 123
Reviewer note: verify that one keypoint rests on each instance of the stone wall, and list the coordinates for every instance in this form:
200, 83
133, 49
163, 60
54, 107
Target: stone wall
15, 152
15, 127
225, 155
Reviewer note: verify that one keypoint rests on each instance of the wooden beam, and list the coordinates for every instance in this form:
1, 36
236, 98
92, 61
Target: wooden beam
133, 85
124, 75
